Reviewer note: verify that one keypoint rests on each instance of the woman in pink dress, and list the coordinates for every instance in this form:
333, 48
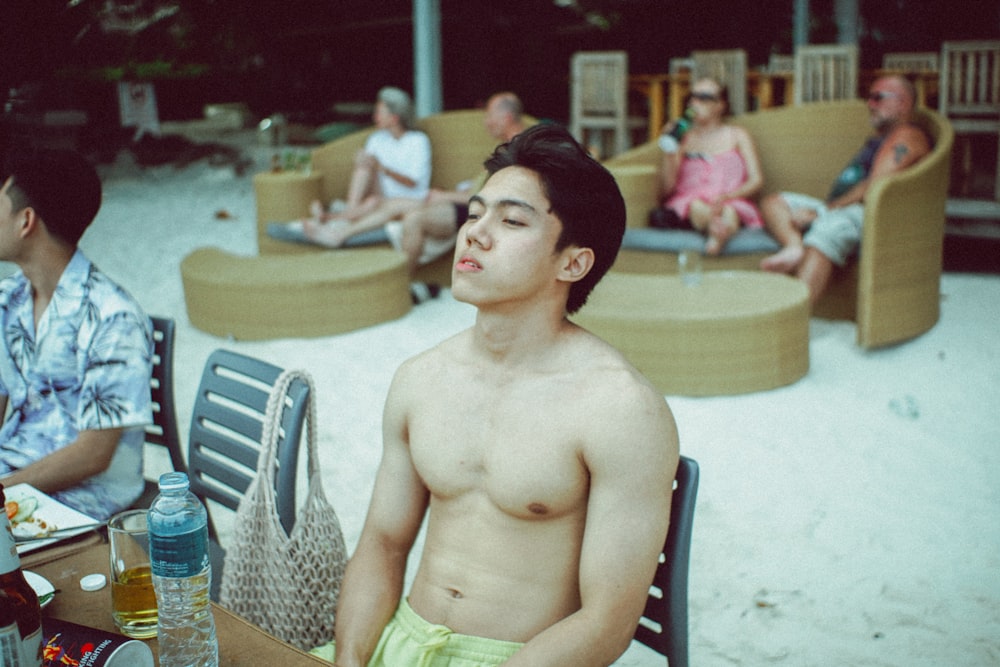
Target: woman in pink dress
709, 183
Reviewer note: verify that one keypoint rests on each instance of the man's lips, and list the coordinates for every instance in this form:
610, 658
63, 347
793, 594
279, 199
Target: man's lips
468, 264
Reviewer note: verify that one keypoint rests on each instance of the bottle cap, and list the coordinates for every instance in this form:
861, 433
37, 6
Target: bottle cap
93, 582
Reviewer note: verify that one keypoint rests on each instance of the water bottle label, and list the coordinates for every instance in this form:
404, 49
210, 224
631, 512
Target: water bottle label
184, 555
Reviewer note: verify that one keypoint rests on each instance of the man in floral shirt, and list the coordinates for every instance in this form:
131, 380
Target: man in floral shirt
76, 353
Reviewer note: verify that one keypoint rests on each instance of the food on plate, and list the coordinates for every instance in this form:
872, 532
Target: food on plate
21, 512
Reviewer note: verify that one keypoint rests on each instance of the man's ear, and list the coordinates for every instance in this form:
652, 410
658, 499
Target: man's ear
577, 263
30, 222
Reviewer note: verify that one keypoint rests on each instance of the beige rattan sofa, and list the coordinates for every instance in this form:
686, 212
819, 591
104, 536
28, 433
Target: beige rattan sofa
892, 290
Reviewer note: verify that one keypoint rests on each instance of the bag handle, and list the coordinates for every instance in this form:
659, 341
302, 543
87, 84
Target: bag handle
267, 463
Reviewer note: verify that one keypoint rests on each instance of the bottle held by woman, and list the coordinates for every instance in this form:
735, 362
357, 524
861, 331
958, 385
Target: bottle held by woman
670, 142
182, 573
20, 613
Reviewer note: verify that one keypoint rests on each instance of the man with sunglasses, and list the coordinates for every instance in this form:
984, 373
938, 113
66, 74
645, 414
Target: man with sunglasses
817, 235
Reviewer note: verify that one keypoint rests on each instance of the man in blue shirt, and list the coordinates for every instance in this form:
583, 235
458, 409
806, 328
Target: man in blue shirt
76, 357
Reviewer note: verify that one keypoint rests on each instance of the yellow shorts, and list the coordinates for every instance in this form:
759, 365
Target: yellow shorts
410, 640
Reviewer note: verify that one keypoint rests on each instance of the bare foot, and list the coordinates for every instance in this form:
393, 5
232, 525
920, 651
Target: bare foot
331, 234
785, 260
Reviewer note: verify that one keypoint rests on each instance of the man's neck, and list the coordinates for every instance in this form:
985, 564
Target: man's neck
516, 338
43, 270
513, 131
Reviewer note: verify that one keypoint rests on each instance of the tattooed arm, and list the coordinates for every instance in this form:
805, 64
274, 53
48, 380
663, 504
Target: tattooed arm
904, 146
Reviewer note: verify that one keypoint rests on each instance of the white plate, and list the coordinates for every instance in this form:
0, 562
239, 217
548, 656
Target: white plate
50, 515
41, 586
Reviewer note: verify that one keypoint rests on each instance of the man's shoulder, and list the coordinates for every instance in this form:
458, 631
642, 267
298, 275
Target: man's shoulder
912, 134
611, 385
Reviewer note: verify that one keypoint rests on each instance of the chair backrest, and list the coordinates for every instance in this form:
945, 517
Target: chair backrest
825, 72
914, 61
599, 95
664, 624
226, 429
970, 79
678, 65
163, 431
781, 63
728, 67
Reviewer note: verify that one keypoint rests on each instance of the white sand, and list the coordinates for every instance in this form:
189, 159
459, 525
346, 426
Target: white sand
849, 519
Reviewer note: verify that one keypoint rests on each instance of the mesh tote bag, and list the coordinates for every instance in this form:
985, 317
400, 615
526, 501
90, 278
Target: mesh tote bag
287, 584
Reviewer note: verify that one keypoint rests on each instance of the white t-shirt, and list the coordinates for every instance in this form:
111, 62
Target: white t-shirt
410, 155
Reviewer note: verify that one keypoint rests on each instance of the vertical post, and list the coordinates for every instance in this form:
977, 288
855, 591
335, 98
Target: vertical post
846, 15
427, 57
800, 23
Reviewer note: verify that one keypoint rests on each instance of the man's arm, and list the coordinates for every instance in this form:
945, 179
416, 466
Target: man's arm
373, 581
89, 455
901, 149
632, 461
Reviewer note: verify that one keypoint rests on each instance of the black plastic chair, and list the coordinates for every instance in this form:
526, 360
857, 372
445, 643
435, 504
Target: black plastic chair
664, 624
163, 431
224, 444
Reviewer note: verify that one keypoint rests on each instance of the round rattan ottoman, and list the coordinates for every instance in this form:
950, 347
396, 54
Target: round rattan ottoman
736, 332
293, 296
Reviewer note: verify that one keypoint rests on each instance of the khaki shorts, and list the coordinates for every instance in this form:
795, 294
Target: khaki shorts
835, 232
410, 640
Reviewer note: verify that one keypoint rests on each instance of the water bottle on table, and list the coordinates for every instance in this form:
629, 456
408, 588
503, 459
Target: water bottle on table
182, 573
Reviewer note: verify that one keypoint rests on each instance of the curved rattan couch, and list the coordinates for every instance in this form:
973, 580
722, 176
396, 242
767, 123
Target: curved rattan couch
892, 290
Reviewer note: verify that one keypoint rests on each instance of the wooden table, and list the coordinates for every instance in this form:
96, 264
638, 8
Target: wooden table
240, 642
665, 93
736, 332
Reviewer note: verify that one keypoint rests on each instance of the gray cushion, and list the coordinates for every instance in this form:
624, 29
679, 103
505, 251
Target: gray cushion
744, 242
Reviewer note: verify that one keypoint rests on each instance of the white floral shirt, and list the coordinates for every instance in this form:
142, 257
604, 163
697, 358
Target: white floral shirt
86, 367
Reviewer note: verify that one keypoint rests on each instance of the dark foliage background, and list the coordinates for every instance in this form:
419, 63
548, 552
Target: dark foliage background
300, 56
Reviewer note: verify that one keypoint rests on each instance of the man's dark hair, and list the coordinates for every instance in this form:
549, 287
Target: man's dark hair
583, 194
62, 187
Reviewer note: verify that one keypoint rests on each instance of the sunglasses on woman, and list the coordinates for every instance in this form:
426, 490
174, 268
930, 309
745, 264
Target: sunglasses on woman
704, 97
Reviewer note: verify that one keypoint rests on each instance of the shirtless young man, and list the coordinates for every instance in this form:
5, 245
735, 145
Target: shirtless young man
834, 226
541, 458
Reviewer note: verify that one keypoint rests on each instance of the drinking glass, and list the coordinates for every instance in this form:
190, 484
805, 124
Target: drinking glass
689, 267
133, 600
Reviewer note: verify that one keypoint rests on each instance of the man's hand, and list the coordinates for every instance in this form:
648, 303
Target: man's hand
803, 217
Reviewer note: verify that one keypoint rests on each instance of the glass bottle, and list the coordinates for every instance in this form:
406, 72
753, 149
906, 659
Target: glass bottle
669, 142
20, 613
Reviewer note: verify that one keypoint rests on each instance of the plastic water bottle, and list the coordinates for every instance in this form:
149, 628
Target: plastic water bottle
669, 142
182, 574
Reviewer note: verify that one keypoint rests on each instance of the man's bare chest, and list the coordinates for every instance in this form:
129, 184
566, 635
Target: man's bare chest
522, 452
